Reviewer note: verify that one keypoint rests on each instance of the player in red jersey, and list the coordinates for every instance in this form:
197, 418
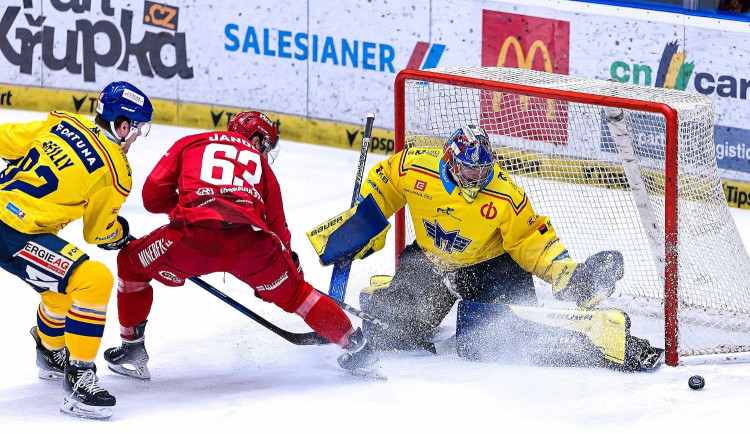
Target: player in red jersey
226, 215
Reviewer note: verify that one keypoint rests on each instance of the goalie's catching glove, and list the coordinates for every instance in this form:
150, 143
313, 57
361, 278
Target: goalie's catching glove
123, 241
587, 284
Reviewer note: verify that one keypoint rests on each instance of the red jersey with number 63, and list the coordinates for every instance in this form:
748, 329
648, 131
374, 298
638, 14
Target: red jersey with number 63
216, 176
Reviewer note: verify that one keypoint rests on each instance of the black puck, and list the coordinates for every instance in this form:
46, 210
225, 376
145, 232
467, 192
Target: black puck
696, 382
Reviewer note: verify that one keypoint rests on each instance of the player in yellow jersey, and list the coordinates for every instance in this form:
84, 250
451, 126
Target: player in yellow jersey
478, 239
61, 169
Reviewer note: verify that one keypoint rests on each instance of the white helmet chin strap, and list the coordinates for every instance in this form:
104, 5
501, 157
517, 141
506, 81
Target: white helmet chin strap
121, 139
114, 132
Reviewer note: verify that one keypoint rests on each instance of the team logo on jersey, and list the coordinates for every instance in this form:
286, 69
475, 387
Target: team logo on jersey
488, 211
204, 191
445, 241
420, 185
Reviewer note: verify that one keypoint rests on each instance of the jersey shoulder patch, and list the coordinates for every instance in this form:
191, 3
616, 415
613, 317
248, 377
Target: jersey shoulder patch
423, 160
503, 188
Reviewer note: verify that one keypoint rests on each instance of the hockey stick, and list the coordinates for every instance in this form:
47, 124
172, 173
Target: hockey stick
340, 275
310, 338
356, 312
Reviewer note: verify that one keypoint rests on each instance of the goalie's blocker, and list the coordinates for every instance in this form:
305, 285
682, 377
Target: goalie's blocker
354, 234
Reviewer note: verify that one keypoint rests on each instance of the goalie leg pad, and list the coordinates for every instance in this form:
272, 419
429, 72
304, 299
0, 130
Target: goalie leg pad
413, 303
557, 337
354, 234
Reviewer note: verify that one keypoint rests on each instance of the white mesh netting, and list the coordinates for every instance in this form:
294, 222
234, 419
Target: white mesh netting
604, 194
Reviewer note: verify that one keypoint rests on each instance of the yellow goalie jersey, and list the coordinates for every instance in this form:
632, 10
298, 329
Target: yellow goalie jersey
454, 233
69, 168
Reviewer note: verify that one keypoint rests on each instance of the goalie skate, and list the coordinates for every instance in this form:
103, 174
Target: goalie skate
641, 356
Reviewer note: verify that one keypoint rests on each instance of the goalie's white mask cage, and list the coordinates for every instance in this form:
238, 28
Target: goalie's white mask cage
614, 166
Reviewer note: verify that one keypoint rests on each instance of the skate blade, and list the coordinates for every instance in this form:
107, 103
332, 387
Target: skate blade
367, 373
75, 408
46, 374
139, 372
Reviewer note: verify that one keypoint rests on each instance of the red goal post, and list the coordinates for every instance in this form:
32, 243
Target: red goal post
546, 127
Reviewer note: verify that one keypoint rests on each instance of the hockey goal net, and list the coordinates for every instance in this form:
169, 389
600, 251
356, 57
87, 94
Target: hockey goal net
615, 167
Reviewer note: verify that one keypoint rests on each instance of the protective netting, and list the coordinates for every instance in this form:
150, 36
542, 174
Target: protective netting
605, 194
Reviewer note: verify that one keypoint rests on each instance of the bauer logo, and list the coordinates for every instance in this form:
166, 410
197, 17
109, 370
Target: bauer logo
525, 42
76, 28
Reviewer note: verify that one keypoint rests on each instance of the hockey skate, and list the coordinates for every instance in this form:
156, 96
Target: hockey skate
83, 397
130, 358
360, 359
51, 363
641, 356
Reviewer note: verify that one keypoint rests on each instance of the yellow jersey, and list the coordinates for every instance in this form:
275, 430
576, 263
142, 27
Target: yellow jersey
69, 168
454, 233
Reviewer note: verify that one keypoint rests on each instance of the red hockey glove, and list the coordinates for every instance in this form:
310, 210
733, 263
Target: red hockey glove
295, 258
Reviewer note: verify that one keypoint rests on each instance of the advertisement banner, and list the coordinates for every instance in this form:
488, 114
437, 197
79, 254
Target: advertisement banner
319, 66
527, 42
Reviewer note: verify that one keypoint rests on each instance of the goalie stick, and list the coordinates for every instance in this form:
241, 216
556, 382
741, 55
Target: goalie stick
340, 275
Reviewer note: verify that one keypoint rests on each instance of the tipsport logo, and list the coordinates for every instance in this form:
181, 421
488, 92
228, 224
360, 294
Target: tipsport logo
673, 72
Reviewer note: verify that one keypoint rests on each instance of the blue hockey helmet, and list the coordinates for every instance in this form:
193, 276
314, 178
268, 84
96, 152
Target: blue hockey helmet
469, 157
121, 98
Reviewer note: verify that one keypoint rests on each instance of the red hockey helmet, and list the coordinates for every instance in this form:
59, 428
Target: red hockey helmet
252, 123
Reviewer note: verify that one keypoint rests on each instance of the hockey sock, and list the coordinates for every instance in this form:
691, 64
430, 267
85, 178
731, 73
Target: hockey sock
327, 319
134, 301
89, 286
50, 327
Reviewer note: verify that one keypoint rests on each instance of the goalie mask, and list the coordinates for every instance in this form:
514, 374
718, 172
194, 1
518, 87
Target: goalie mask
252, 123
470, 160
